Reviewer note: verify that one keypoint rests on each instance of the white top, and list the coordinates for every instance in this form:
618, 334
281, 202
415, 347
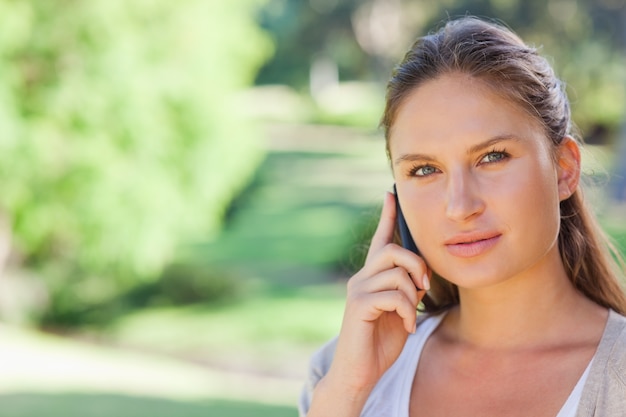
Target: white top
571, 405
603, 394
391, 395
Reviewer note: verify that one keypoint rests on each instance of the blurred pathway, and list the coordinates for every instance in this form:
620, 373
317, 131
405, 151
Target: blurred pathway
32, 362
312, 195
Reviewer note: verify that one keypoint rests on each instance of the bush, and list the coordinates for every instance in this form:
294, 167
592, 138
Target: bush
183, 284
120, 137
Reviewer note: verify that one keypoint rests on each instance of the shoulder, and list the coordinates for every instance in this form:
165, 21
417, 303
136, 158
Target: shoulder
322, 359
610, 358
614, 339
320, 363
318, 367
605, 390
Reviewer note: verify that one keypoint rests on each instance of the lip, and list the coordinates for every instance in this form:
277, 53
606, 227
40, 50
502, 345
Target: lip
469, 245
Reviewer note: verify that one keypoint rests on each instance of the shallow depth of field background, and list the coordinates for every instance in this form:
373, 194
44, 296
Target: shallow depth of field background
186, 186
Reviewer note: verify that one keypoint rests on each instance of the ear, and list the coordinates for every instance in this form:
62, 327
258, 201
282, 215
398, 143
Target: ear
568, 167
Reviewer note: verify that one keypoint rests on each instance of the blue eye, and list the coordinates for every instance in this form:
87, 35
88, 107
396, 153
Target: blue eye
494, 156
424, 171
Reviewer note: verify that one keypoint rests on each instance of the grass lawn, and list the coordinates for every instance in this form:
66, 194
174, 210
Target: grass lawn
247, 358
46, 375
107, 405
269, 334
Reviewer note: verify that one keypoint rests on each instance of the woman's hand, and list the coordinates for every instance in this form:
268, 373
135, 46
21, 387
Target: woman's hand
380, 313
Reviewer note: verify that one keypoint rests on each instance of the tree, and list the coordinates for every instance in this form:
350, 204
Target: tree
120, 135
366, 38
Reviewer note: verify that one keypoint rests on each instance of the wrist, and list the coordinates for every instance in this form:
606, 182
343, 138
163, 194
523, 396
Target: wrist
333, 396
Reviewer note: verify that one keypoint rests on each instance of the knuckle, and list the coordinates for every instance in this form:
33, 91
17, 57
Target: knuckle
401, 271
398, 297
390, 249
357, 299
355, 279
351, 282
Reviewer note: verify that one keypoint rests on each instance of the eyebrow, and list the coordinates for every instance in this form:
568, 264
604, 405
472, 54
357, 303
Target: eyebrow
412, 157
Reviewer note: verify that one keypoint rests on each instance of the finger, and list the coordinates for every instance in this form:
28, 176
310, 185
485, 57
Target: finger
390, 301
386, 225
392, 279
392, 256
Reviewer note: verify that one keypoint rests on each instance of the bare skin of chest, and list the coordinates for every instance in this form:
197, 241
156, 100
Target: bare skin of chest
473, 382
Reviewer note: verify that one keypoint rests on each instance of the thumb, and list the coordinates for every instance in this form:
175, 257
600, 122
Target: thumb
386, 225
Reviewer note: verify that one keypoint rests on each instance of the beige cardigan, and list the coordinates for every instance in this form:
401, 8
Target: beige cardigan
604, 393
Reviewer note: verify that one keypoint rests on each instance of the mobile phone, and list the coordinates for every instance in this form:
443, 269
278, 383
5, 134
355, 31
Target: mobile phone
405, 233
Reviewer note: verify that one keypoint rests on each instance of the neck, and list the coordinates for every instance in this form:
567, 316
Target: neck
537, 308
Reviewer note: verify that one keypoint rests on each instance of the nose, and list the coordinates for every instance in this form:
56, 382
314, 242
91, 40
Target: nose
463, 197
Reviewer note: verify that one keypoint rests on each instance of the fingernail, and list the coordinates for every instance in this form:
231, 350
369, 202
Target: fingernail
414, 328
426, 282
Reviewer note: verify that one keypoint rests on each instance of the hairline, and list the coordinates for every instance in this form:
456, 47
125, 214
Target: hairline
485, 81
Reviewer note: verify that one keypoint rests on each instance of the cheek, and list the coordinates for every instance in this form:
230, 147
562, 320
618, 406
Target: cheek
527, 208
425, 215
541, 214
534, 191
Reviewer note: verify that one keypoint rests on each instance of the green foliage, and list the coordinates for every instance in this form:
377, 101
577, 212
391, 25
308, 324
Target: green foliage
365, 38
616, 230
305, 29
120, 134
188, 283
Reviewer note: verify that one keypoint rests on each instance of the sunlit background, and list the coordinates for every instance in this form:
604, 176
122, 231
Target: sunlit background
187, 185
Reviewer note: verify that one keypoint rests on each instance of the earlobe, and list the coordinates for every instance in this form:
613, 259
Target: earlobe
568, 167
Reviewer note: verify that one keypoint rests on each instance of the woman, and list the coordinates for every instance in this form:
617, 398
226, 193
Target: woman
523, 311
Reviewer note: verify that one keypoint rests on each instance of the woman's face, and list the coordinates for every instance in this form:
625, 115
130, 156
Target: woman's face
477, 183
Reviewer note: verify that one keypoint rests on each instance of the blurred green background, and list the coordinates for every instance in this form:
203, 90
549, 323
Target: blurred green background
187, 185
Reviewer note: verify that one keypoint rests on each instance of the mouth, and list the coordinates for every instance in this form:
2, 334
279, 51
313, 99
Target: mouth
472, 244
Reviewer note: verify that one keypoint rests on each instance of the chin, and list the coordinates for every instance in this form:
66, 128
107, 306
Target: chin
474, 277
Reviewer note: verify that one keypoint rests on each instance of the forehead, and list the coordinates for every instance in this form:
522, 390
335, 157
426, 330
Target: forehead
457, 109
